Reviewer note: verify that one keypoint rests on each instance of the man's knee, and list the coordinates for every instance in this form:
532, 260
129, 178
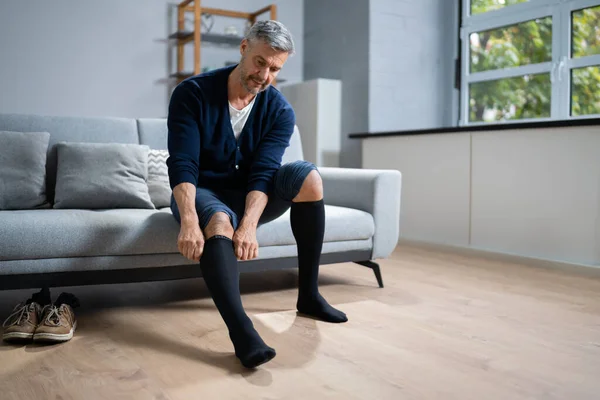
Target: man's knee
312, 188
219, 224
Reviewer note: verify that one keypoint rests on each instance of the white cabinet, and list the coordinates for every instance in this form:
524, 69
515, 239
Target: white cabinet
318, 107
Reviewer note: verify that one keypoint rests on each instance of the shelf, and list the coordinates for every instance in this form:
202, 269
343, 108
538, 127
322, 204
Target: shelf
195, 35
229, 40
182, 35
216, 38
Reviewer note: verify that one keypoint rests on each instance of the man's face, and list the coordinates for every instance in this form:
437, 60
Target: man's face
259, 65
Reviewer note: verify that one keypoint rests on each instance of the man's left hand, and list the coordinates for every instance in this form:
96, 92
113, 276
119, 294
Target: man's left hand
244, 242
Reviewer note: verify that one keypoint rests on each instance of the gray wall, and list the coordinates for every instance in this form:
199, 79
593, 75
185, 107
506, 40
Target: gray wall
411, 68
395, 59
336, 46
107, 58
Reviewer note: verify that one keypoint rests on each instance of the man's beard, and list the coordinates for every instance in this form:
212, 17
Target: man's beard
246, 79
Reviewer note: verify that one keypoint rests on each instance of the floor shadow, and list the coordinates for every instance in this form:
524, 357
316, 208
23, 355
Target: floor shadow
9, 346
132, 294
41, 347
303, 329
144, 294
210, 306
136, 335
172, 295
258, 377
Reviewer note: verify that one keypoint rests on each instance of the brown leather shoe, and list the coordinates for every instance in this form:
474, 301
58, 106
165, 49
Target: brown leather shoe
22, 323
57, 324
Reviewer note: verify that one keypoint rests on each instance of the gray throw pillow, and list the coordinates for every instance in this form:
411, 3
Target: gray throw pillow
23, 170
158, 178
101, 176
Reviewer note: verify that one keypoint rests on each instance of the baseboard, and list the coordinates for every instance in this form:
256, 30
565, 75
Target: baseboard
585, 269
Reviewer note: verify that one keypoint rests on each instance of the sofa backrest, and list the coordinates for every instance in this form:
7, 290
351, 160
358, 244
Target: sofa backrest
70, 129
149, 131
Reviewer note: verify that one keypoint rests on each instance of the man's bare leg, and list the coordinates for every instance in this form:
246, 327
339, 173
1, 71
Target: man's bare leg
219, 267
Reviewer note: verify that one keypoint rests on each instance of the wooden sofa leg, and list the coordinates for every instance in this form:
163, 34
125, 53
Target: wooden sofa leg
375, 267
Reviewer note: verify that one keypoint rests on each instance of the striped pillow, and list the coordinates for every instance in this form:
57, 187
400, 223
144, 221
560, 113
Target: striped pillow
158, 178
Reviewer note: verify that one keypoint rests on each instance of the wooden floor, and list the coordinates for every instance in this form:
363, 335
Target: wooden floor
446, 326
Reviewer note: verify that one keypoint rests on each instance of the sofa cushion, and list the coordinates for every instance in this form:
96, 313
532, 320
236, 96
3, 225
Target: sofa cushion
78, 233
340, 224
23, 170
35, 234
102, 175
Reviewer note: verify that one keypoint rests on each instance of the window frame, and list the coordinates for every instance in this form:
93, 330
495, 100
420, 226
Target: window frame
569, 64
559, 68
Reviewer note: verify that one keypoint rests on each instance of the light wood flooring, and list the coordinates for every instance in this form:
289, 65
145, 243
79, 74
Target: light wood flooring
446, 326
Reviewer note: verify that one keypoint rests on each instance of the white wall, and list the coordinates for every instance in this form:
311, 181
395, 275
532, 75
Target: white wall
435, 183
107, 58
412, 46
533, 193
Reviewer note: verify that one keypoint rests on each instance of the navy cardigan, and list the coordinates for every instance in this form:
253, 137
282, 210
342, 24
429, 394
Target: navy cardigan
202, 147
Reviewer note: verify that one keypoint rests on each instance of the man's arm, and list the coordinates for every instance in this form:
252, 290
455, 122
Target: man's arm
183, 136
266, 162
183, 164
190, 241
269, 154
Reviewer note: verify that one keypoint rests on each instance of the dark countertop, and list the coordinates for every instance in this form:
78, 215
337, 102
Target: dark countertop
487, 127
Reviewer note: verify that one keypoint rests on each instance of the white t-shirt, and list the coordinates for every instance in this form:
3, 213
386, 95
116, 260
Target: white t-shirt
239, 117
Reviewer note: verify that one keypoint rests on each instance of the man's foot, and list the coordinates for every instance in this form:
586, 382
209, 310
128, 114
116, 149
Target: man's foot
317, 306
251, 349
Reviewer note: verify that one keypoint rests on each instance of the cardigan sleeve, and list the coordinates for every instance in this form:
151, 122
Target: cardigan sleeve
183, 135
267, 159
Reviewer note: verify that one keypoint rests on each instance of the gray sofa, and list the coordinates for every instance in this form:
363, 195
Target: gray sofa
65, 247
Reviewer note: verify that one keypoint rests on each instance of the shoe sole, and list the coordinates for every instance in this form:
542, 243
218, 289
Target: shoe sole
54, 337
17, 336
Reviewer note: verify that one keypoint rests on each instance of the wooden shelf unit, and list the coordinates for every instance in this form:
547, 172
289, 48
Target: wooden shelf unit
183, 37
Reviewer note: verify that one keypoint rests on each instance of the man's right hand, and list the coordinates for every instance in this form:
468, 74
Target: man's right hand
190, 241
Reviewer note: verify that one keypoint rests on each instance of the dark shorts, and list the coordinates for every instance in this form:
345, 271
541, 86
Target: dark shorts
287, 183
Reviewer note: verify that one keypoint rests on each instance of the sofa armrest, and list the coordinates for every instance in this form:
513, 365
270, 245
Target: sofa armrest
375, 191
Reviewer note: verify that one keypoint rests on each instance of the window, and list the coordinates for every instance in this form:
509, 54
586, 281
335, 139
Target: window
529, 60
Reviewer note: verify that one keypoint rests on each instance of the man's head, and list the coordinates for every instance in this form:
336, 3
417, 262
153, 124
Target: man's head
264, 50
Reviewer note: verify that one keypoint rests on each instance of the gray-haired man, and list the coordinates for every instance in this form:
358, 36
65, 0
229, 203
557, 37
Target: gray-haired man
228, 130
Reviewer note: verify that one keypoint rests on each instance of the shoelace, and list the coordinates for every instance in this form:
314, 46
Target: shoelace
17, 316
53, 316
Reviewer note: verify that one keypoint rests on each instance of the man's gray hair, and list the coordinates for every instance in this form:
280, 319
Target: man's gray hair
273, 33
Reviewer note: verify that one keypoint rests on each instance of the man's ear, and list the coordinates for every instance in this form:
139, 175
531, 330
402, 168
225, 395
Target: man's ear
244, 46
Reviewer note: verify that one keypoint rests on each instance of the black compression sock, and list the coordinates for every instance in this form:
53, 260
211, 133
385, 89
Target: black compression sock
308, 226
221, 274
42, 297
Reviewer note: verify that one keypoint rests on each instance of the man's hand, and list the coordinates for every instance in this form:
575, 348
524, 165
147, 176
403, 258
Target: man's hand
244, 238
190, 241
244, 242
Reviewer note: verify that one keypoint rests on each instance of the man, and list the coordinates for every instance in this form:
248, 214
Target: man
228, 130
